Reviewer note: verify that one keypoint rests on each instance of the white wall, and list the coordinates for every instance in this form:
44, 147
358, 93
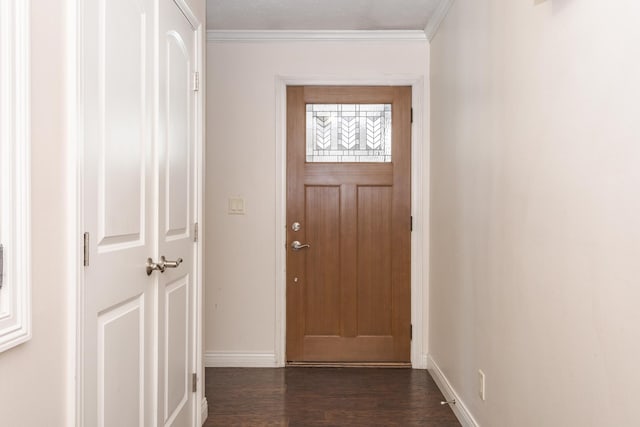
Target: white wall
536, 210
33, 375
241, 160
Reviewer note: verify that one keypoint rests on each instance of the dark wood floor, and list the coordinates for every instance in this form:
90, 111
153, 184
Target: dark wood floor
324, 397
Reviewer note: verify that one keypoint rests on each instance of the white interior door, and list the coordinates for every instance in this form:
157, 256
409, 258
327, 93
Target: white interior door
177, 216
138, 329
119, 209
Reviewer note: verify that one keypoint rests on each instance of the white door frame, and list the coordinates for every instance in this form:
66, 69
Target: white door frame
75, 219
419, 250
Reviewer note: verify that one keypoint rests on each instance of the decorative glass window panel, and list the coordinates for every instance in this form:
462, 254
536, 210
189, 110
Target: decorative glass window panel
342, 133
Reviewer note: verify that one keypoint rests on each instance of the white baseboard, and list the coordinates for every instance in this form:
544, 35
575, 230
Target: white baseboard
459, 409
424, 360
220, 359
204, 410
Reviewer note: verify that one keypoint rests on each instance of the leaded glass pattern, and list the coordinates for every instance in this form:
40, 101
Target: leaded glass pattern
343, 133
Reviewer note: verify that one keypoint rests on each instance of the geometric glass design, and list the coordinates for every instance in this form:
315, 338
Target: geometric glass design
355, 133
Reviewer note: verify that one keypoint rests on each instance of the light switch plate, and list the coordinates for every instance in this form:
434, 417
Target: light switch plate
236, 206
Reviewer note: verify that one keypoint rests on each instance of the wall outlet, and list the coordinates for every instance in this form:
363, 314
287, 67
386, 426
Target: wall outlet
481, 384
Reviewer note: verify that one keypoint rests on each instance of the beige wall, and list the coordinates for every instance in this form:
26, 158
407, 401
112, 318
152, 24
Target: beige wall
535, 210
33, 375
241, 160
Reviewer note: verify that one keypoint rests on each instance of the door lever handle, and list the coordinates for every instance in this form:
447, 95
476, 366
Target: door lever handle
296, 246
169, 264
152, 266
162, 265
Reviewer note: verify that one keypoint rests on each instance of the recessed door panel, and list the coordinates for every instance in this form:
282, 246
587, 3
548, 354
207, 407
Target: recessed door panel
176, 347
374, 294
123, 104
178, 137
121, 365
322, 278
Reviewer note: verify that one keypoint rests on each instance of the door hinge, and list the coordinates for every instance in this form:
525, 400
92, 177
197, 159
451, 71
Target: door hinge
411, 223
1, 265
411, 115
196, 81
194, 382
195, 232
85, 251
411, 332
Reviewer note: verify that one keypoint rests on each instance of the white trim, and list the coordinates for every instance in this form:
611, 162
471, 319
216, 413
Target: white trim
224, 359
459, 408
15, 147
436, 19
418, 193
320, 35
420, 218
204, 411
199, 190
188, 13
75, 290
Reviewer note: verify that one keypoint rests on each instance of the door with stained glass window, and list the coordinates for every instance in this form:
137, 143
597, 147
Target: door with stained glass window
349, 224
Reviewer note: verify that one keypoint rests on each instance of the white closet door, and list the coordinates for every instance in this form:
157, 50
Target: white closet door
177, 216
138, 326
119, 213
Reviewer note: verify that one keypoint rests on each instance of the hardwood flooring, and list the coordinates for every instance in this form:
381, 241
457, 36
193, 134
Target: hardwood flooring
324, 397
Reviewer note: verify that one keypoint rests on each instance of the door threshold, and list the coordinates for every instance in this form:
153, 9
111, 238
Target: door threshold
391, 365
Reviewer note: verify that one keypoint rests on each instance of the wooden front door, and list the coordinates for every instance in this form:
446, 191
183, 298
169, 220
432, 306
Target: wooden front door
349, 200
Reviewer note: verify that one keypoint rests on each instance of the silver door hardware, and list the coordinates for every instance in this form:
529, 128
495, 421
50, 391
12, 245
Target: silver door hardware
169, 264
1, 265
151, 266
295, 226
448, 402
296, 246
295, 280
85, 259
196, 81
195, 232
162, 265
194, 382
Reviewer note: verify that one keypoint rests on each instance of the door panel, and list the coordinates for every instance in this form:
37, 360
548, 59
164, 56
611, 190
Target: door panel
348, 293
375, 297
176, 351
177, 216
177, 182
322, 293
123, 108
121, 359
117, 354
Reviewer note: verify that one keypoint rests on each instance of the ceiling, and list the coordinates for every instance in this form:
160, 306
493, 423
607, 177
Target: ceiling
320, 14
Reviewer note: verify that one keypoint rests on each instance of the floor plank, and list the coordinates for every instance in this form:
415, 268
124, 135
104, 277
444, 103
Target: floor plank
324, 397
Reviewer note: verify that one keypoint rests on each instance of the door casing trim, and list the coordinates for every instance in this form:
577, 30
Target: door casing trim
419, 200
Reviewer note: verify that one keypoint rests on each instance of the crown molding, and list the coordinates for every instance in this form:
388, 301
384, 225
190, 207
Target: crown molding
325, 35
436, 19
